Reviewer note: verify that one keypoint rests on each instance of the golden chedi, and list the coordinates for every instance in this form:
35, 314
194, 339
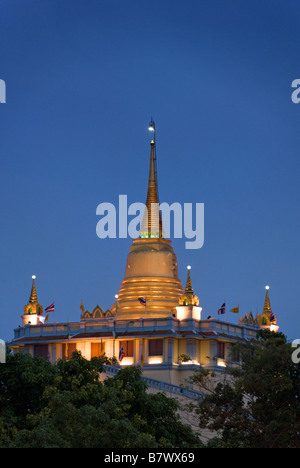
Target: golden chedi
151, 286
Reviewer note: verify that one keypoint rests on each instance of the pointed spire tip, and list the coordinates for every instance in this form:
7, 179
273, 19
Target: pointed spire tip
33, 295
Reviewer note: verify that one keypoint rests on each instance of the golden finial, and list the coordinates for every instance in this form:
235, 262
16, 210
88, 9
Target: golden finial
33, 296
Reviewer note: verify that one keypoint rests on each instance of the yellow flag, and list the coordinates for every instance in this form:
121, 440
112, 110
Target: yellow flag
235, 310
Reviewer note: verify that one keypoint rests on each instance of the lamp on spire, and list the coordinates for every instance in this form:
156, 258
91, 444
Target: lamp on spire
151, 128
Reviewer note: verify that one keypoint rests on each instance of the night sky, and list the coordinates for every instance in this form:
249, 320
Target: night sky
83, 78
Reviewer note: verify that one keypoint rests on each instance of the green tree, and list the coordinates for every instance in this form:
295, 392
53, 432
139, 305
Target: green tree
70, 407
256, 405
22, 382
156, 414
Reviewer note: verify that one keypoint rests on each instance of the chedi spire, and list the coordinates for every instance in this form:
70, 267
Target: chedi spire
152, 222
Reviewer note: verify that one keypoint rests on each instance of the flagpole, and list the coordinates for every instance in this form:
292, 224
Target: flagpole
152, 128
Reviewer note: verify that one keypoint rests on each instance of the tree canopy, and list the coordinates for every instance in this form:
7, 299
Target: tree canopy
256, 404
67, 406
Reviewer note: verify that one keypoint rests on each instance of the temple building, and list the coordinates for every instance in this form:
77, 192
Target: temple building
155, 322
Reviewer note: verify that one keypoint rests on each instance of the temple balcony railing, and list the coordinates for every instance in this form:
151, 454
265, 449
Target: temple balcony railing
172, 326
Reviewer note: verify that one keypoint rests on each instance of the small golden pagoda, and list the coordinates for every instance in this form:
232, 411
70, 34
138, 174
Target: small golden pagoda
33, 309
267, 319
151, 286
189, 298
188, 303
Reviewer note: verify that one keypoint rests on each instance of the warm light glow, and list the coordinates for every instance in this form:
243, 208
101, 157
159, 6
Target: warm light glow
116, 296
187, 312
155, 359
274, 328
189, 267
192, 361
127, 361
267, 287
221, 363
180, 313
151, 127
33, 276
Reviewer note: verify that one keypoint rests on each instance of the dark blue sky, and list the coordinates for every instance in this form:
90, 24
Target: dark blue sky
83, 79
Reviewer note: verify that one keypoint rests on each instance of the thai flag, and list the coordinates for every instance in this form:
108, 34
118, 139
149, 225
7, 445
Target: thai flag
272, 317
142, 300
121, 353
50, 308
222, 309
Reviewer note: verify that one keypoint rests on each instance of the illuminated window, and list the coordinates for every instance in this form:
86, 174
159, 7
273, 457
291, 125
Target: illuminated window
97, 349
128, 347
156, 347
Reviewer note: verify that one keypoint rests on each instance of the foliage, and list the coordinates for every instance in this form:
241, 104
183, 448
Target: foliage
256, 405
67, 406
184, 358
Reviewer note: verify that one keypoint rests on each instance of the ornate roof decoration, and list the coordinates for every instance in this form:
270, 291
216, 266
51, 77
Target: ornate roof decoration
98, 312
189, 298
33, 307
